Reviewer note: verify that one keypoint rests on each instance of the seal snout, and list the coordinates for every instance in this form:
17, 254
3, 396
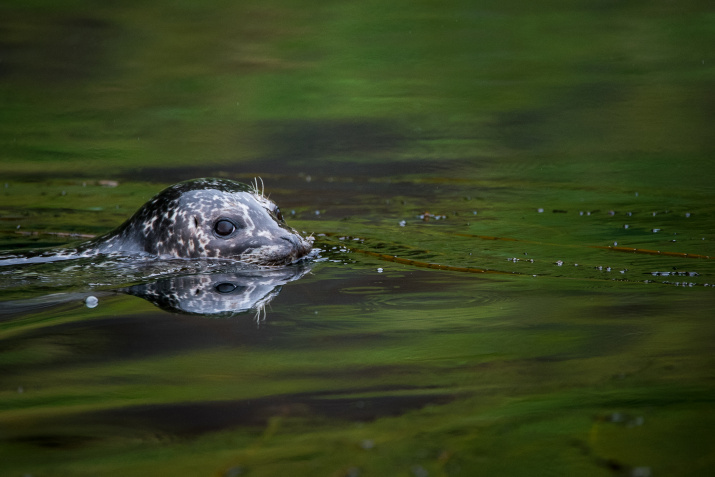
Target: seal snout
299, 247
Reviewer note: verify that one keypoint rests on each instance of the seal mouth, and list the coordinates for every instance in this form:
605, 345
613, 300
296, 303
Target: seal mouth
296, 249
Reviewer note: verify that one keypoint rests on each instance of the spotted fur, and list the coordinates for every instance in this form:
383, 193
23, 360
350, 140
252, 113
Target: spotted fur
180, 222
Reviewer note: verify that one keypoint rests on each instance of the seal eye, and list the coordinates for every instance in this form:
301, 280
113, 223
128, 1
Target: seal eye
278, 214
226, 287
224, 228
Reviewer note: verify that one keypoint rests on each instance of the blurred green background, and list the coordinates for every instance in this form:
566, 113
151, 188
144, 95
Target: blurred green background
553, 124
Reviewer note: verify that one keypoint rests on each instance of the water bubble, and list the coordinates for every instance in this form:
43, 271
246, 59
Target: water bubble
91, 301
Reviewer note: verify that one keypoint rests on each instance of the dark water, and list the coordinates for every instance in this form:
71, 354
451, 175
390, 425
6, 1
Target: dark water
513, 204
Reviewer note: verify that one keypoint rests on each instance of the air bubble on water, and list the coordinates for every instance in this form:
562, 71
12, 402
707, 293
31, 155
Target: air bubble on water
91, 301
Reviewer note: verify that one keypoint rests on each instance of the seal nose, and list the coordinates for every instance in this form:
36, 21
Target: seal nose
298, 244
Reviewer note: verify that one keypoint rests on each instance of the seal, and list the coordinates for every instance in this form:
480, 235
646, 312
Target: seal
201, 218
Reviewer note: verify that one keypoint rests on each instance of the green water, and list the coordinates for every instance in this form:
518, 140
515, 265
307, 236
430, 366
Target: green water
510, 143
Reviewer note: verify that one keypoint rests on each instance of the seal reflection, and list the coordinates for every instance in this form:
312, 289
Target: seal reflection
221, 294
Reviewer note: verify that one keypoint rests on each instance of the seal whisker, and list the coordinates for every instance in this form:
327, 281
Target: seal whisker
259, 191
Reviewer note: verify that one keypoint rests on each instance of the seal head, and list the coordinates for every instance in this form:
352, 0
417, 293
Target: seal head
205, 218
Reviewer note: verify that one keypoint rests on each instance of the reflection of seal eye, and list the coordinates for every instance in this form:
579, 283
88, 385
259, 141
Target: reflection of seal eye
224, 227
278, 214
225, 287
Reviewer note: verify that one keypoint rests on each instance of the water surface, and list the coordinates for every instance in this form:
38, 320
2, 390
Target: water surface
513, 205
